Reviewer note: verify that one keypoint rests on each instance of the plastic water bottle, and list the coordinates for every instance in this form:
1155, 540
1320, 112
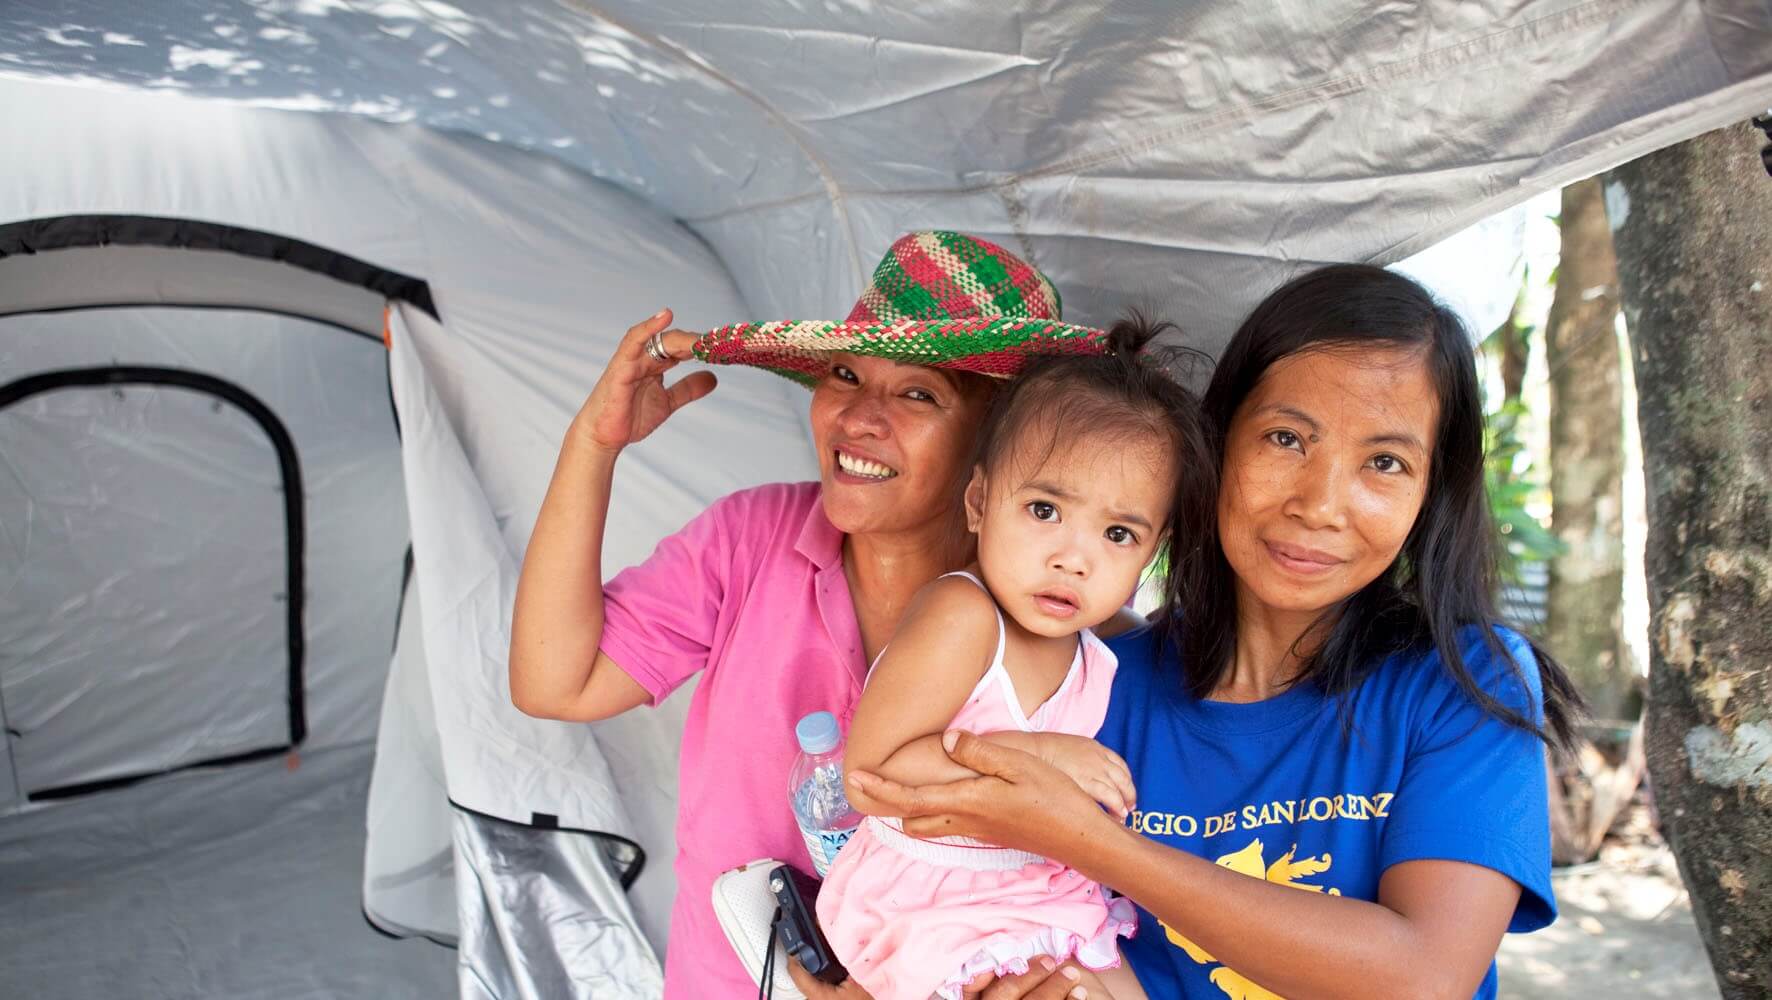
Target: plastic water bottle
816, 789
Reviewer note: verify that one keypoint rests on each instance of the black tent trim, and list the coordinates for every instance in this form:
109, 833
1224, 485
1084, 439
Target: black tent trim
67, 231
406, 568
628, 857
630, 862
204, 307
294, 521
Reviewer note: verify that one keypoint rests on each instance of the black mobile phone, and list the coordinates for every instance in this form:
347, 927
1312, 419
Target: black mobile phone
797, 924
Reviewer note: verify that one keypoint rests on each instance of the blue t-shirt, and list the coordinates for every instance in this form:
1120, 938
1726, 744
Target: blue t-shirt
1283, 790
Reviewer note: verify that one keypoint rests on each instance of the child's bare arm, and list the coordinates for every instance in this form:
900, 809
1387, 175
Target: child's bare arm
942, 647
1118, 982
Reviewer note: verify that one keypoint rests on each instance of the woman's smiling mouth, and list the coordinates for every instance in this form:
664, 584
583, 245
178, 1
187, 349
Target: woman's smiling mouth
1301, 560
864, 469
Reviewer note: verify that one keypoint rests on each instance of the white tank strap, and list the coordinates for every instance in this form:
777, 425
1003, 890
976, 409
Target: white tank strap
1002, 629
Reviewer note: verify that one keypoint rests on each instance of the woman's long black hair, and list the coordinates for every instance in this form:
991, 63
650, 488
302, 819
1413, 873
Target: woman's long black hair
1446, 575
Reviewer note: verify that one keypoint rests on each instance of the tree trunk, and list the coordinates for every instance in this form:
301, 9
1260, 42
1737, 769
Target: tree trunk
1694, 239
1513, 352
1586, 595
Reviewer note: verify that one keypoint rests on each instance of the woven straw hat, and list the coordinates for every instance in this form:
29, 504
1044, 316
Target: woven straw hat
946, 300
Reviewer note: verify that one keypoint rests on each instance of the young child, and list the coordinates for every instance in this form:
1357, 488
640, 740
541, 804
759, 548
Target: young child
1085, 465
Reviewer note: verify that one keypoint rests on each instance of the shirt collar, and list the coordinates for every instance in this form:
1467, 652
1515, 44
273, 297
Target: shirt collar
820, 541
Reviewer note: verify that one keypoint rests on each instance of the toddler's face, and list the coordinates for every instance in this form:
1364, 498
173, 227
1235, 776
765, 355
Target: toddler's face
1063, 537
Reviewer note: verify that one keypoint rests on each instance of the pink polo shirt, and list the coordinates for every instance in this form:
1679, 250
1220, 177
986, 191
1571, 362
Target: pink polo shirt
751, 592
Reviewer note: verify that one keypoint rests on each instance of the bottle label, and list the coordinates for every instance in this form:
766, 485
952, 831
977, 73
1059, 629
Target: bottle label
823, 845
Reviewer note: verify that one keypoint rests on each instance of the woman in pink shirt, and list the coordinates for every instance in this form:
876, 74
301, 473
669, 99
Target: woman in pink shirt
783, 594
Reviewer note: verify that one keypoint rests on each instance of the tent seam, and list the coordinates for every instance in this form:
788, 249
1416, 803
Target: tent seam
833, 190
18, 791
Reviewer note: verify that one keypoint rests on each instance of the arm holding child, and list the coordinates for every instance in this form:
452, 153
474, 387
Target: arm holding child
942, 648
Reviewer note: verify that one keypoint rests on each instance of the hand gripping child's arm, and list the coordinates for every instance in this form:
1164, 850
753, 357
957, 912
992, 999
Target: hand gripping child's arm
942, 647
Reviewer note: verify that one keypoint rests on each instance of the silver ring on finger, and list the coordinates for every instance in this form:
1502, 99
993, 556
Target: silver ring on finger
655, 348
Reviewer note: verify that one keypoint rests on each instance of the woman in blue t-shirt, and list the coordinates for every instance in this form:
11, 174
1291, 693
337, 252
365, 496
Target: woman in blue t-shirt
1339, 754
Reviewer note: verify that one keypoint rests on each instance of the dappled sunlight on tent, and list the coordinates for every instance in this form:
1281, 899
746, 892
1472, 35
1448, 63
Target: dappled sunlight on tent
415, 230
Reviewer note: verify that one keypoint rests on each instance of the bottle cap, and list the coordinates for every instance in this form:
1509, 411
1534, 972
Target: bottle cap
818, 733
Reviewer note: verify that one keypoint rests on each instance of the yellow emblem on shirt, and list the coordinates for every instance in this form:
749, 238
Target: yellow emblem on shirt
1285, 871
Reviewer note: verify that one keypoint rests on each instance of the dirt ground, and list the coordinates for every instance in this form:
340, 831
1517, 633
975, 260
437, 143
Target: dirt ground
1624, 930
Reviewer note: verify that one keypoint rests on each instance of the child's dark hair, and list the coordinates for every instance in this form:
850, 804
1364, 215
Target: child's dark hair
1125, 393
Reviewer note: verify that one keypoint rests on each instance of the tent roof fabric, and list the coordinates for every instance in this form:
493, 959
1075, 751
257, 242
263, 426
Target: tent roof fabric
1194, 153
553, 170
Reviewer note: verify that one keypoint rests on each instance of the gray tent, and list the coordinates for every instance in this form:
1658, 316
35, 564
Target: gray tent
296, 297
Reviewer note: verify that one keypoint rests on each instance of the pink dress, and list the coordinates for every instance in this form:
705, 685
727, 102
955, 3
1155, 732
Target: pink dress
913, 918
